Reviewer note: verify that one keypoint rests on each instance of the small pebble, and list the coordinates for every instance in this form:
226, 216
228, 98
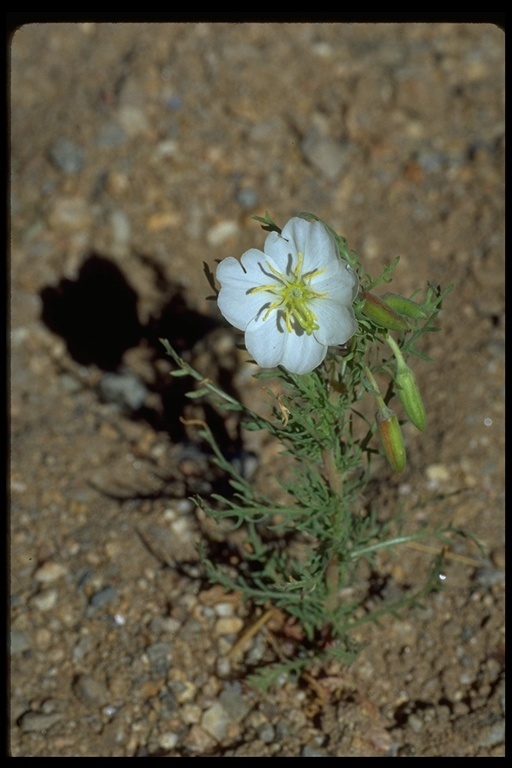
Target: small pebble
498, 557
228, 625
167, 148
170, 625
415, 722
44, 638
19, 642
103, 597
267, 734
326, 155
191, 714
111, 135
487, 576
132, 120
246, 463
437, 474
309, 751
234, 702
174, 102
168, 740
216, 721
67, 156
224, 610
491, 735
46, 600
223, 667
159, 655
49, 572
199, 741
70, 214
49, 706
185, 506
121, 228
183, 690
91, 691
84, 646
431, 161
125, 390
221, 232
247, 198
37, 722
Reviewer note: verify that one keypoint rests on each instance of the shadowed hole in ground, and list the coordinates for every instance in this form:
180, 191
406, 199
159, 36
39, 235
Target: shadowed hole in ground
97, 317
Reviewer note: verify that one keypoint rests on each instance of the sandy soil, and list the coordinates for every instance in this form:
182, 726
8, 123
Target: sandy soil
137, 153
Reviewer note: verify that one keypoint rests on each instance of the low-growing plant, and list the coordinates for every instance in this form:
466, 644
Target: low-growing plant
316, 322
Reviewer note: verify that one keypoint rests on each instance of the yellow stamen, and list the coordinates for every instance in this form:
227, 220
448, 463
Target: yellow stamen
294, 294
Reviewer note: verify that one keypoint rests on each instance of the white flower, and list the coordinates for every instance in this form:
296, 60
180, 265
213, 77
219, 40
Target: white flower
293, 300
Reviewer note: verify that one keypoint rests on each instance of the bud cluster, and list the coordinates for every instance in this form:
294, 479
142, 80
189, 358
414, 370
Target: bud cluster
392, 312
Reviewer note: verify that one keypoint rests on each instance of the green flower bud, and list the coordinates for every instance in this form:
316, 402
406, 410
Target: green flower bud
382, 314
409, 394
405, 307
391, 438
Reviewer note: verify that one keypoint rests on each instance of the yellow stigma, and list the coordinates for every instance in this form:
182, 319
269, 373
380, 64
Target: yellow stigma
293, 293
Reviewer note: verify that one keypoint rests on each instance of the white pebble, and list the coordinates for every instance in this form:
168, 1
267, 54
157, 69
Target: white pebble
221, 232
168, 740
229, 625
49, 572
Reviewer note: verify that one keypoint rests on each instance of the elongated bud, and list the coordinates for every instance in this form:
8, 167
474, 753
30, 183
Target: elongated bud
382, 314
391, 438
409, 394
405, 307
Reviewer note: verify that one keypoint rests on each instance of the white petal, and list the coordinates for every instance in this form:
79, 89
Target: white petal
296, 232
310, 238
265, 342
302, 353
338, 281
320, 250
313, 240
271, 345
237, 278
337, 323
283, 248
253, 262
281, 252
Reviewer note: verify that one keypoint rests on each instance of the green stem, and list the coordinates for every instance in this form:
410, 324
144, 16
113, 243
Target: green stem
377, 393
335, 480
332, 573
357, 553
396, 351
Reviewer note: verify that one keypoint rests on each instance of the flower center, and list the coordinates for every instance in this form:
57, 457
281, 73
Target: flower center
293, 295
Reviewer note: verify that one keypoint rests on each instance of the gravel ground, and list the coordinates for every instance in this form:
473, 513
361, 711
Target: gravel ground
138, 152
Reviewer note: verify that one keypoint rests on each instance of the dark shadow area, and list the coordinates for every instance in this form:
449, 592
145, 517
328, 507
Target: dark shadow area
178, 323
96, 314
97, 317
183, 328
